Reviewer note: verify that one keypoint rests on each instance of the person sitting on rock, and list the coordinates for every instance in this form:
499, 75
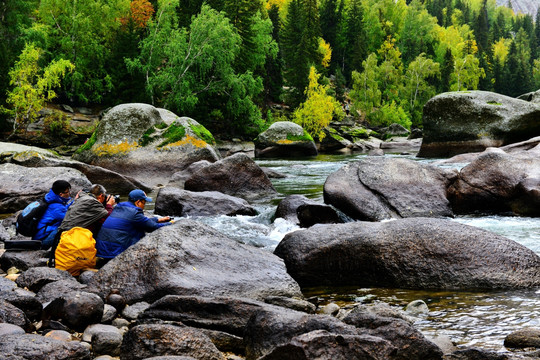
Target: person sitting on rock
89, 210
58, 199
126, 226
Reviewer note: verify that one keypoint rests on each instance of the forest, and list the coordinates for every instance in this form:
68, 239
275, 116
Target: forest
236, 66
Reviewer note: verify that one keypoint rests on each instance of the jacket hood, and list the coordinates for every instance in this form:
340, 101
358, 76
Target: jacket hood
51, 198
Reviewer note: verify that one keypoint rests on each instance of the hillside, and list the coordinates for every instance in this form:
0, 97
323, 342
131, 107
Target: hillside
522, 6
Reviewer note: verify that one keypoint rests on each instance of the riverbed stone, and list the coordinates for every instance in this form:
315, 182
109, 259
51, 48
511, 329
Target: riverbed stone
10, 329
304, 212
20, 185
148, 143
416, 253
145, 341
13, 315
470, 121
174, 201
30, 156
236, 175
77, 311
23, 260
36, 347
498, 182
379, 188
523, 338
132, 312
60, 288
284, 139
24, 300
35, 278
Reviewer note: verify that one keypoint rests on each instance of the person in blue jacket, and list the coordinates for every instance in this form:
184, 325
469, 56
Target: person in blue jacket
59, 199
126, 225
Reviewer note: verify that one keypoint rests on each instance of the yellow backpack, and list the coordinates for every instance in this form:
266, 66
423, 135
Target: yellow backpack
76, 250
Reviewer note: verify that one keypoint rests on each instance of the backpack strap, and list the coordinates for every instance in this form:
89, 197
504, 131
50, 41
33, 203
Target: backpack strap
51, 263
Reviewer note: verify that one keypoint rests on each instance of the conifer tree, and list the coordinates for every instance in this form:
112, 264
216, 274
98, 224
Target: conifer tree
447, 68
273, 81
354, 39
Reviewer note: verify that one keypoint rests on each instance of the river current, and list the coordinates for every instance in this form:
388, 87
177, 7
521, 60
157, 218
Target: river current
481, 319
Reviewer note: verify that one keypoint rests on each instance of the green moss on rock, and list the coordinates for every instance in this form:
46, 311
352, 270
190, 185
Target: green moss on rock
304, 137
174, 133
147, 137
88, 144
202, 133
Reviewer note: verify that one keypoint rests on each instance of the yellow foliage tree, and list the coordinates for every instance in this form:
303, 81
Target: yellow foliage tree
326, 52
501, 48
317, 111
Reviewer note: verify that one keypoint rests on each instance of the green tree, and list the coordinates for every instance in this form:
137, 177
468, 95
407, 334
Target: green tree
390, 70
185, 68
365, 92
14, 19
317, 111
447, 69
416, 86
418, 34
273, 81
82, 32
33, 86
467, 73
295, 67
353, 44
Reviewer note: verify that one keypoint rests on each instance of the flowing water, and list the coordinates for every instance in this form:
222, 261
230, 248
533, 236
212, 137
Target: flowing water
480, 319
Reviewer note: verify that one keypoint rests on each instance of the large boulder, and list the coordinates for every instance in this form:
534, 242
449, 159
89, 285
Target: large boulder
499, 182
173, 201
416, 253
190, 258
284, 139
30, 156
378, 188
145, 142
236, 175
19, 185
469, 121
302, 211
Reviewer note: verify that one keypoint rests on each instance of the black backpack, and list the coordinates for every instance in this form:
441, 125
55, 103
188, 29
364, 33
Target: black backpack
28, 219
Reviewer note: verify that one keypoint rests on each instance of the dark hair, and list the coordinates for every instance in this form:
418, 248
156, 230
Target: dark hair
97, 190
60, 186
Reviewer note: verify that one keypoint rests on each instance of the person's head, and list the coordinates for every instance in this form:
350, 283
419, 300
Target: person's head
139, 198
61, 188
99, 192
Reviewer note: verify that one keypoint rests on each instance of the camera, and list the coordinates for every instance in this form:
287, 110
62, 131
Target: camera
115, 197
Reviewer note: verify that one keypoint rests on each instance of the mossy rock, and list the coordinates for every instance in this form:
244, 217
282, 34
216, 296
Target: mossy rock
133, 138
284, 139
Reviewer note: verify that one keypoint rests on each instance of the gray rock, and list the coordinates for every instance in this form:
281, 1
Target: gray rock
225, 342
29, 156
236, 175
190, 258
417, 307
6, 284
37, 347
107, 343
321, 344
469, 121
271, 327
498, 182
60, 288
291, 303
120, 323
523, 338
86, 276
394, 130
10, 329
409, 343
330, 309
417, 253
15, 316
4, 234
177, 202
19, 185
133, 311
179, 178
109, 313
229, 315
77, 310
284, 139
302, 211
142, 141
145, 341
35, 278
477, 354
24, 300
24, 260
383, 188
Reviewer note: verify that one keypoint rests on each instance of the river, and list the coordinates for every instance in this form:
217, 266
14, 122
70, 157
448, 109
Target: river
481, 319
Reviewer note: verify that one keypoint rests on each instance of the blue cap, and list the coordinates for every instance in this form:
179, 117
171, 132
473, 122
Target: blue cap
137, 194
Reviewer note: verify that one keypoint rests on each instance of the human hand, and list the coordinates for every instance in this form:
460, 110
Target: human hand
164, 219
110, 200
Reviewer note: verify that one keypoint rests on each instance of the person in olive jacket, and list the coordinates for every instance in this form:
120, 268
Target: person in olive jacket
126, 225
